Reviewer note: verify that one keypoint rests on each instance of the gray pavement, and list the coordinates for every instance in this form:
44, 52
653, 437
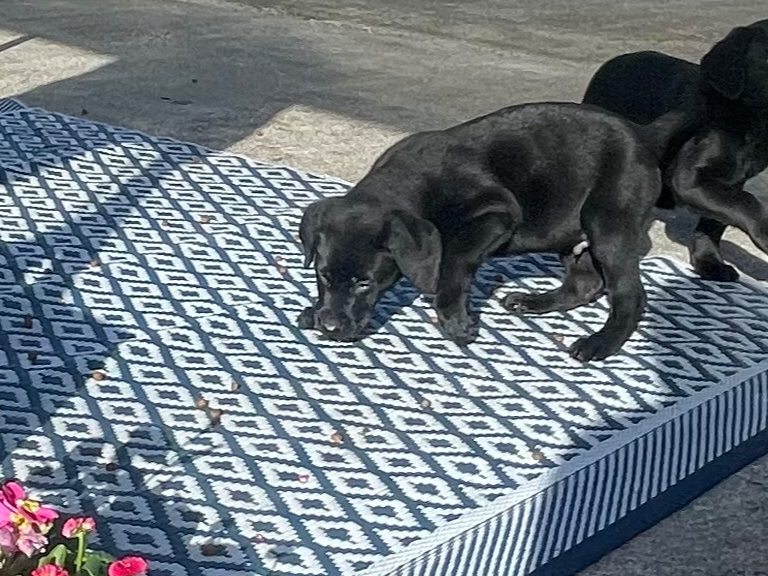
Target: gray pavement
327, 85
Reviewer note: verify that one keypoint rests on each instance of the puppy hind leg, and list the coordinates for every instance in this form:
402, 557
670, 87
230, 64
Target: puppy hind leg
615, 250
616, 220
581, 285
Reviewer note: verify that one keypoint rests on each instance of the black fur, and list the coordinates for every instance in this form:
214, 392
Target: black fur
536, 177
707, 163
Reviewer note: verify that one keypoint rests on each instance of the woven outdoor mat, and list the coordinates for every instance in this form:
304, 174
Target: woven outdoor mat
140, 274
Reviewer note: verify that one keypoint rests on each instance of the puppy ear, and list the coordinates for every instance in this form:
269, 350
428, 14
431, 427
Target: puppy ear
417, 249
724, 67
309, 229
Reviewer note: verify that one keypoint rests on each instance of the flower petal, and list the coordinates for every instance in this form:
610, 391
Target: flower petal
30, 542
12, 492
45, 515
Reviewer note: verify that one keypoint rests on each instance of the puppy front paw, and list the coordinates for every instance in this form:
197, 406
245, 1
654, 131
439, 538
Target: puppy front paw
306, 320
459, 328
715, 270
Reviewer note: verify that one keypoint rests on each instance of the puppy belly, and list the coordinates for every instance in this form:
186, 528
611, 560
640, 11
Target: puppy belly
573, 241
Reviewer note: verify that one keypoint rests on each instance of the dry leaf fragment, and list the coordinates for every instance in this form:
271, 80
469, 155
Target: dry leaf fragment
538, 455
110, 467
559, 337
32, 357
27, 321
426, 404
215, 416
205, 219
201, 403
303, 478
99, 376
282, 269
234, 386
259, 538
96, 261
211, 549
337, 438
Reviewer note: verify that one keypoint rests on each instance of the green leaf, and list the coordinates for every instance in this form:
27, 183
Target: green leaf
96, 563
57, 556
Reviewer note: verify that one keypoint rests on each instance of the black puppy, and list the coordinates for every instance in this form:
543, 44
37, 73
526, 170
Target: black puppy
704, 167
536, 177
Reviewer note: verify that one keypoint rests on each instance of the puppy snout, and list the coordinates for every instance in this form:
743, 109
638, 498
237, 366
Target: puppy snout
330, 325
336, 327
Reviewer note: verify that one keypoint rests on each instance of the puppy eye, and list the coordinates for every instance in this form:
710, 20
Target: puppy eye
363, 286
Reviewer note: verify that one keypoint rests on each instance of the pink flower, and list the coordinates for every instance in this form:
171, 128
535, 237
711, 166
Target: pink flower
50, 570
76, 526
8, 541
30, 542
17, 510
10, 494
128, 566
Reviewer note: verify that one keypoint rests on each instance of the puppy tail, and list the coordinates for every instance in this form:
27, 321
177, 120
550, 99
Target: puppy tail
665, 136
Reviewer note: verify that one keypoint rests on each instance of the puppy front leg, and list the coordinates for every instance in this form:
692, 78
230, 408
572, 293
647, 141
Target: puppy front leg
728, 205
451, 303
307, 319
462, 255
704, 178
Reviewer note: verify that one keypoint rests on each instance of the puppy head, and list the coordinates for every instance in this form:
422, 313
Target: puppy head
737, 66
359, 251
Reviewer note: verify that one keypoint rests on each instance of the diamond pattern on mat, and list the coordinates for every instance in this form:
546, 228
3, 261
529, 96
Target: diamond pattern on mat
175, 272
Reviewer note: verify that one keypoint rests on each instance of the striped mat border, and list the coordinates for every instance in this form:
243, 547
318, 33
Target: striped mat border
584, 514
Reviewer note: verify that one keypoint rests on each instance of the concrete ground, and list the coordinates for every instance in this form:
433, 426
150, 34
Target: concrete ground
327, 85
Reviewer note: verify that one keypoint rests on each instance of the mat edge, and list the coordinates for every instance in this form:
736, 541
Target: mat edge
391, 565
597, 457
657, 509
407, 562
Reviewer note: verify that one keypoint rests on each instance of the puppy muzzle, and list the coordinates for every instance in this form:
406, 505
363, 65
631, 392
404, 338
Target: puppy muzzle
339, 328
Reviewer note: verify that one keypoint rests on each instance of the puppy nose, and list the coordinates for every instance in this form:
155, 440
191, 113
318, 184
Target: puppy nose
329, 324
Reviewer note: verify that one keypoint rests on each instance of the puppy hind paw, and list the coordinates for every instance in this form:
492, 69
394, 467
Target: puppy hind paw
595, 347
523, 303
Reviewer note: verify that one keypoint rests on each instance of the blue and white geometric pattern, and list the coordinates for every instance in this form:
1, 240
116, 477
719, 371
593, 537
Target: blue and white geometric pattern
143, 279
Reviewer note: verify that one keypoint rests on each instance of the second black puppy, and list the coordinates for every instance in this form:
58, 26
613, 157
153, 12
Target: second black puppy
530, 178
726, 143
